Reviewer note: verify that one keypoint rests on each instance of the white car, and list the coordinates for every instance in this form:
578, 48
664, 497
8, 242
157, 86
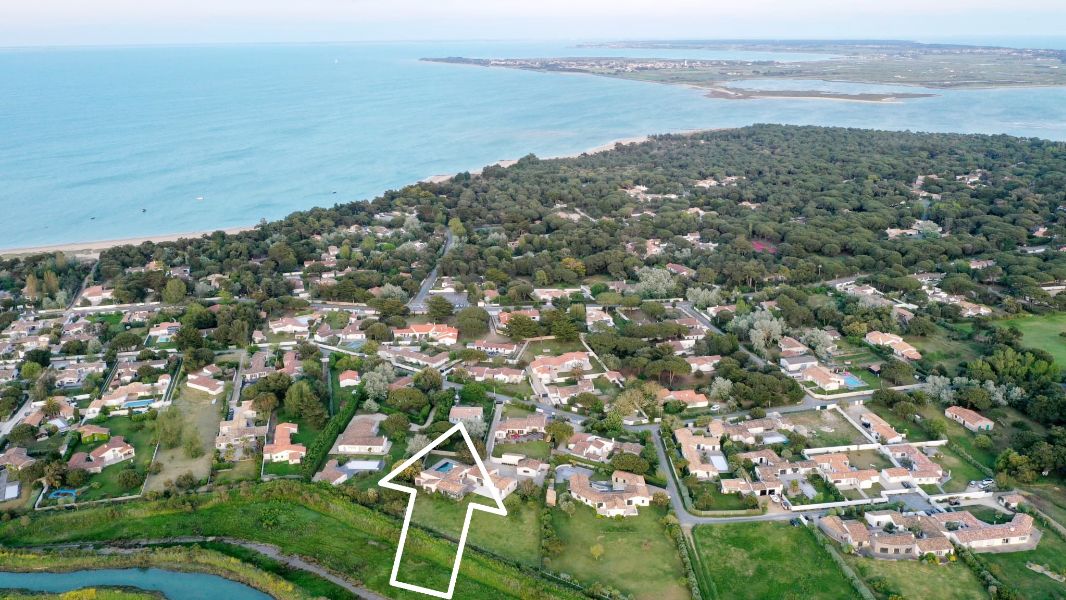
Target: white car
716, 407
775, 498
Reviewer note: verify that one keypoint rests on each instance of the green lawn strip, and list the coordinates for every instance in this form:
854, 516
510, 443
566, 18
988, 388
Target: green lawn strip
769, 560
538, 449
917, 579
639, 557
516, 536
302, 519
1010, 567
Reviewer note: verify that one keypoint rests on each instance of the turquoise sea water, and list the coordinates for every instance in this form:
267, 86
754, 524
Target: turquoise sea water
106, 143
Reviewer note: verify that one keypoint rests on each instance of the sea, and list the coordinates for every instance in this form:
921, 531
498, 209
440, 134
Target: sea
117, 142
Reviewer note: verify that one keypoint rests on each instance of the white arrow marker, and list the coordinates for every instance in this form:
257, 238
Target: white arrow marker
388, 482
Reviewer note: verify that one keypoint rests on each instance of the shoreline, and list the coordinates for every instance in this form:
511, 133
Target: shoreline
97, 245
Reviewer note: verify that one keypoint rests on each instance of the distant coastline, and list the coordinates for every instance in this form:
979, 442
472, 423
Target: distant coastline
94, 247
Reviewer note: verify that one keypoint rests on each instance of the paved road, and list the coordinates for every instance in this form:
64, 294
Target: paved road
419, 301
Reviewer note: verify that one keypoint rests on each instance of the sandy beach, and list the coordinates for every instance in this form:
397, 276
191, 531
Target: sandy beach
96, 246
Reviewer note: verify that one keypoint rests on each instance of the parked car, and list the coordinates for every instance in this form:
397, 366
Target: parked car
716, 407
775, 498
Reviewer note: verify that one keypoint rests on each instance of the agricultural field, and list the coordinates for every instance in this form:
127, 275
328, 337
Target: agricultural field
200, 417
916, 579
768, 560
627, 545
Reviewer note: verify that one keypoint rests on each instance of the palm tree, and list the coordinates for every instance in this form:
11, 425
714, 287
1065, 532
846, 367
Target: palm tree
51, 408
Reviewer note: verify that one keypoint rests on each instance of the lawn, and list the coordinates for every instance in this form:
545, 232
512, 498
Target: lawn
913, 431
516, 536
201, 418
708, 496
962, 472
941, 349
243, 470
916, 579
551, 348
964, 437
768, 560
869, 459
825, 428
1049, 498
1043, 332
304, 520
105, 484
639, 557
1010, 568
538, 449
305, 434
989, 514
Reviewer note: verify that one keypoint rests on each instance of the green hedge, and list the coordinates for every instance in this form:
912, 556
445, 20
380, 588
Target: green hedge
319, 450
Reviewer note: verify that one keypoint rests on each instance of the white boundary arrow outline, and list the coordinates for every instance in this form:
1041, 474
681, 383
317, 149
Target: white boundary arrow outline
387, 482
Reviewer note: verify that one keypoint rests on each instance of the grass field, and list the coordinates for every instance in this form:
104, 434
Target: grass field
305, 434
105, 484
516, 536
639, 557
535, 449
913, 431
1043, 332
201, 418
304, 520
826, 428
941, 349
962, 472
869, 459
919, 580
766, 560
242, 471
1010, 568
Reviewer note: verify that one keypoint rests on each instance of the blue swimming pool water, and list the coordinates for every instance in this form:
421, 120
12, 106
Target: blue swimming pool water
138, 403
853, 382
446, 467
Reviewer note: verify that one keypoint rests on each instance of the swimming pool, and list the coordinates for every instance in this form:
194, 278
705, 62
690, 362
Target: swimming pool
445, 467
138, 403
853, 382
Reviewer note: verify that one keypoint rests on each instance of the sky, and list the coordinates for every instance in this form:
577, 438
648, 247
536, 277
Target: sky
120, 22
